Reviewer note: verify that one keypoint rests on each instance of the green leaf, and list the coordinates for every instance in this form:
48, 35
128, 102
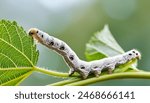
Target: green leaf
16, 50
101, 45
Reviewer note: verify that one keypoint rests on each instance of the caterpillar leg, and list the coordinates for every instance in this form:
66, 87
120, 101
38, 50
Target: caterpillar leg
96, 73
84, 73
71, 71
110, 70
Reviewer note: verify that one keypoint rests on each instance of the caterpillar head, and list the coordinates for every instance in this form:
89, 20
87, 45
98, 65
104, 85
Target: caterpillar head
134, 54
33, 32
37, 34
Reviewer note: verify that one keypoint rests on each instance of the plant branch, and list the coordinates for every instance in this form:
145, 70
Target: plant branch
65, 82
53, 73
141, 75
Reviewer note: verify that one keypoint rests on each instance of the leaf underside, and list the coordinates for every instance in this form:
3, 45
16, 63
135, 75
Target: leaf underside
102, 45
16, 50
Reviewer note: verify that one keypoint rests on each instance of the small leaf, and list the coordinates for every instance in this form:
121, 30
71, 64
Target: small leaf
16, 50
101, 45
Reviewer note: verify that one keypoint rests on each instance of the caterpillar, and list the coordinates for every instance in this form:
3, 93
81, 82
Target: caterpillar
75, 64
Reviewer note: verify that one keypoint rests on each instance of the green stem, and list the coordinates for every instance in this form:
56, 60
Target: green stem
64, 82
53, 73
141, 75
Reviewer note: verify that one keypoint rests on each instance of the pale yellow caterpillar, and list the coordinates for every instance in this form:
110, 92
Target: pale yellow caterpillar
84, 68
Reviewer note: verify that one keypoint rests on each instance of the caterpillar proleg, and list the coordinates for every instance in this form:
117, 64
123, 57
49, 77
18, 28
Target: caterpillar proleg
84, 68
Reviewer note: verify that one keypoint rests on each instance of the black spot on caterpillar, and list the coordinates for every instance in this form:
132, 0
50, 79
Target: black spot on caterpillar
62, 47
42, 36
84, 68
71, 57
51, 43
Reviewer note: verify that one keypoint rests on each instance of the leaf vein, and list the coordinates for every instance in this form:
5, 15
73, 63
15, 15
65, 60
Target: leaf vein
9, 59
17, 50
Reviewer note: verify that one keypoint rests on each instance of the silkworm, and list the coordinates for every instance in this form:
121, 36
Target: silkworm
75, 64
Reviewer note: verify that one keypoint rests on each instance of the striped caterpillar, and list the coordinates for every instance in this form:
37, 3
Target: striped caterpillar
84, 68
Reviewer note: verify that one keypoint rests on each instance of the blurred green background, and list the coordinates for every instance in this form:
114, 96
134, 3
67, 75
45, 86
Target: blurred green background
75, 21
